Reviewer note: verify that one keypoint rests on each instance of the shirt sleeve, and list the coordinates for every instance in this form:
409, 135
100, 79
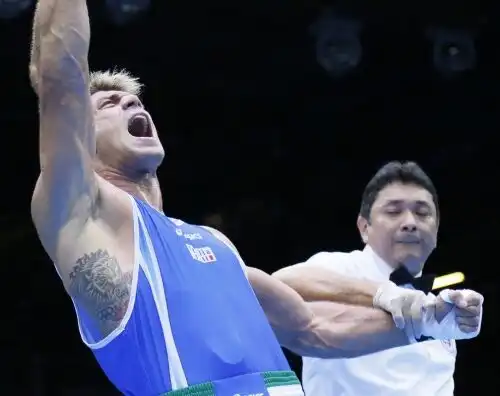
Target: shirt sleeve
333, 261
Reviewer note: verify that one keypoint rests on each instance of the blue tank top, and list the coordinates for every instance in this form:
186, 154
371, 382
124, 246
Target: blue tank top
192, 317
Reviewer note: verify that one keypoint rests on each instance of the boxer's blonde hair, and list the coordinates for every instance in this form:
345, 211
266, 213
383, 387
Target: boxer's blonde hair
115, 80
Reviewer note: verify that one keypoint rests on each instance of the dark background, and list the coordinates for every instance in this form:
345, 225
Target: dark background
263, 143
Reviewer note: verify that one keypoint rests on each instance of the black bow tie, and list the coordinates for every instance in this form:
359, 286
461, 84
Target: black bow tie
402, 276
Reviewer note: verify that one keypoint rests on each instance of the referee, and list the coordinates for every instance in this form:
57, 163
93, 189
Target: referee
398, 223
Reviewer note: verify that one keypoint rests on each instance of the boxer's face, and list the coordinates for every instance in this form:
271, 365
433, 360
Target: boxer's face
126, 138
403, 225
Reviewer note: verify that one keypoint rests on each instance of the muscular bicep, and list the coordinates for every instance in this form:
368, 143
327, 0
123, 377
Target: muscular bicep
67, 186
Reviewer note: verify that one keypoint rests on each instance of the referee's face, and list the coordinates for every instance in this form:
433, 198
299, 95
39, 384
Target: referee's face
403, 225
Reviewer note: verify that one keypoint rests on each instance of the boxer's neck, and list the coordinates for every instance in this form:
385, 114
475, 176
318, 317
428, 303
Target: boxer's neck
145, 187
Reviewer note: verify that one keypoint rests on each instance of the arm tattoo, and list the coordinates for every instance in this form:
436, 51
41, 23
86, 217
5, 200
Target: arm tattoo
99, 283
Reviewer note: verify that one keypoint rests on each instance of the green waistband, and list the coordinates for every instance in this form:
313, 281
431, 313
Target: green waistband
271, 379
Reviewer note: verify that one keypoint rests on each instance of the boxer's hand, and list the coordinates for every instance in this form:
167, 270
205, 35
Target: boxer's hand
405, 305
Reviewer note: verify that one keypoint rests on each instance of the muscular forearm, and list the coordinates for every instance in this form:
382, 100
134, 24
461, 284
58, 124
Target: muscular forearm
59, 22
319, 284
59, 73
35, 45
323, 329
344, 331
61, 34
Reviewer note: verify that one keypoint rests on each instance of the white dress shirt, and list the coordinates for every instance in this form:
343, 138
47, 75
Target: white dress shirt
421, 369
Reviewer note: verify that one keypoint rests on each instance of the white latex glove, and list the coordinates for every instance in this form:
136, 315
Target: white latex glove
455, 314
407, 307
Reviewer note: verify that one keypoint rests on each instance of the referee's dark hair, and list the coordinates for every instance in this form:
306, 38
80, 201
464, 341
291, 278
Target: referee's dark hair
396, 172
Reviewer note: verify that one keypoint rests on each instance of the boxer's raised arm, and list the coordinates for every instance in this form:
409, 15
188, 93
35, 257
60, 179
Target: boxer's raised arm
67, 187
323, 329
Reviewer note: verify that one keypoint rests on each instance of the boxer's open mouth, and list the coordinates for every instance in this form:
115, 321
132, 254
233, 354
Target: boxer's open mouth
139, 126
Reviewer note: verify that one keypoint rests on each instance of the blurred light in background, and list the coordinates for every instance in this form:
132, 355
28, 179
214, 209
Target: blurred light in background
123, 11
448, 280
338, 47
453, 50
12, 8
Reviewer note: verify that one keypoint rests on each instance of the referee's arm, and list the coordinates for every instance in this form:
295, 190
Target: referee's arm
319, 280
323, 329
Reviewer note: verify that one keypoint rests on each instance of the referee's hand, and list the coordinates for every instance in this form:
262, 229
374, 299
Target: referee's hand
405, 305
467, 304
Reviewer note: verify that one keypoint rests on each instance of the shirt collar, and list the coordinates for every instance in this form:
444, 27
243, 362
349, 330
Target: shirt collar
383, 268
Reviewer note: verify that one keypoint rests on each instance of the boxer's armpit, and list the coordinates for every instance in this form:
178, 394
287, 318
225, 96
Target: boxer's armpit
99, 285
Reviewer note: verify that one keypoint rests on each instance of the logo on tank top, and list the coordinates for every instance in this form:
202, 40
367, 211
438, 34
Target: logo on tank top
203, 255
176, 221
191, 236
